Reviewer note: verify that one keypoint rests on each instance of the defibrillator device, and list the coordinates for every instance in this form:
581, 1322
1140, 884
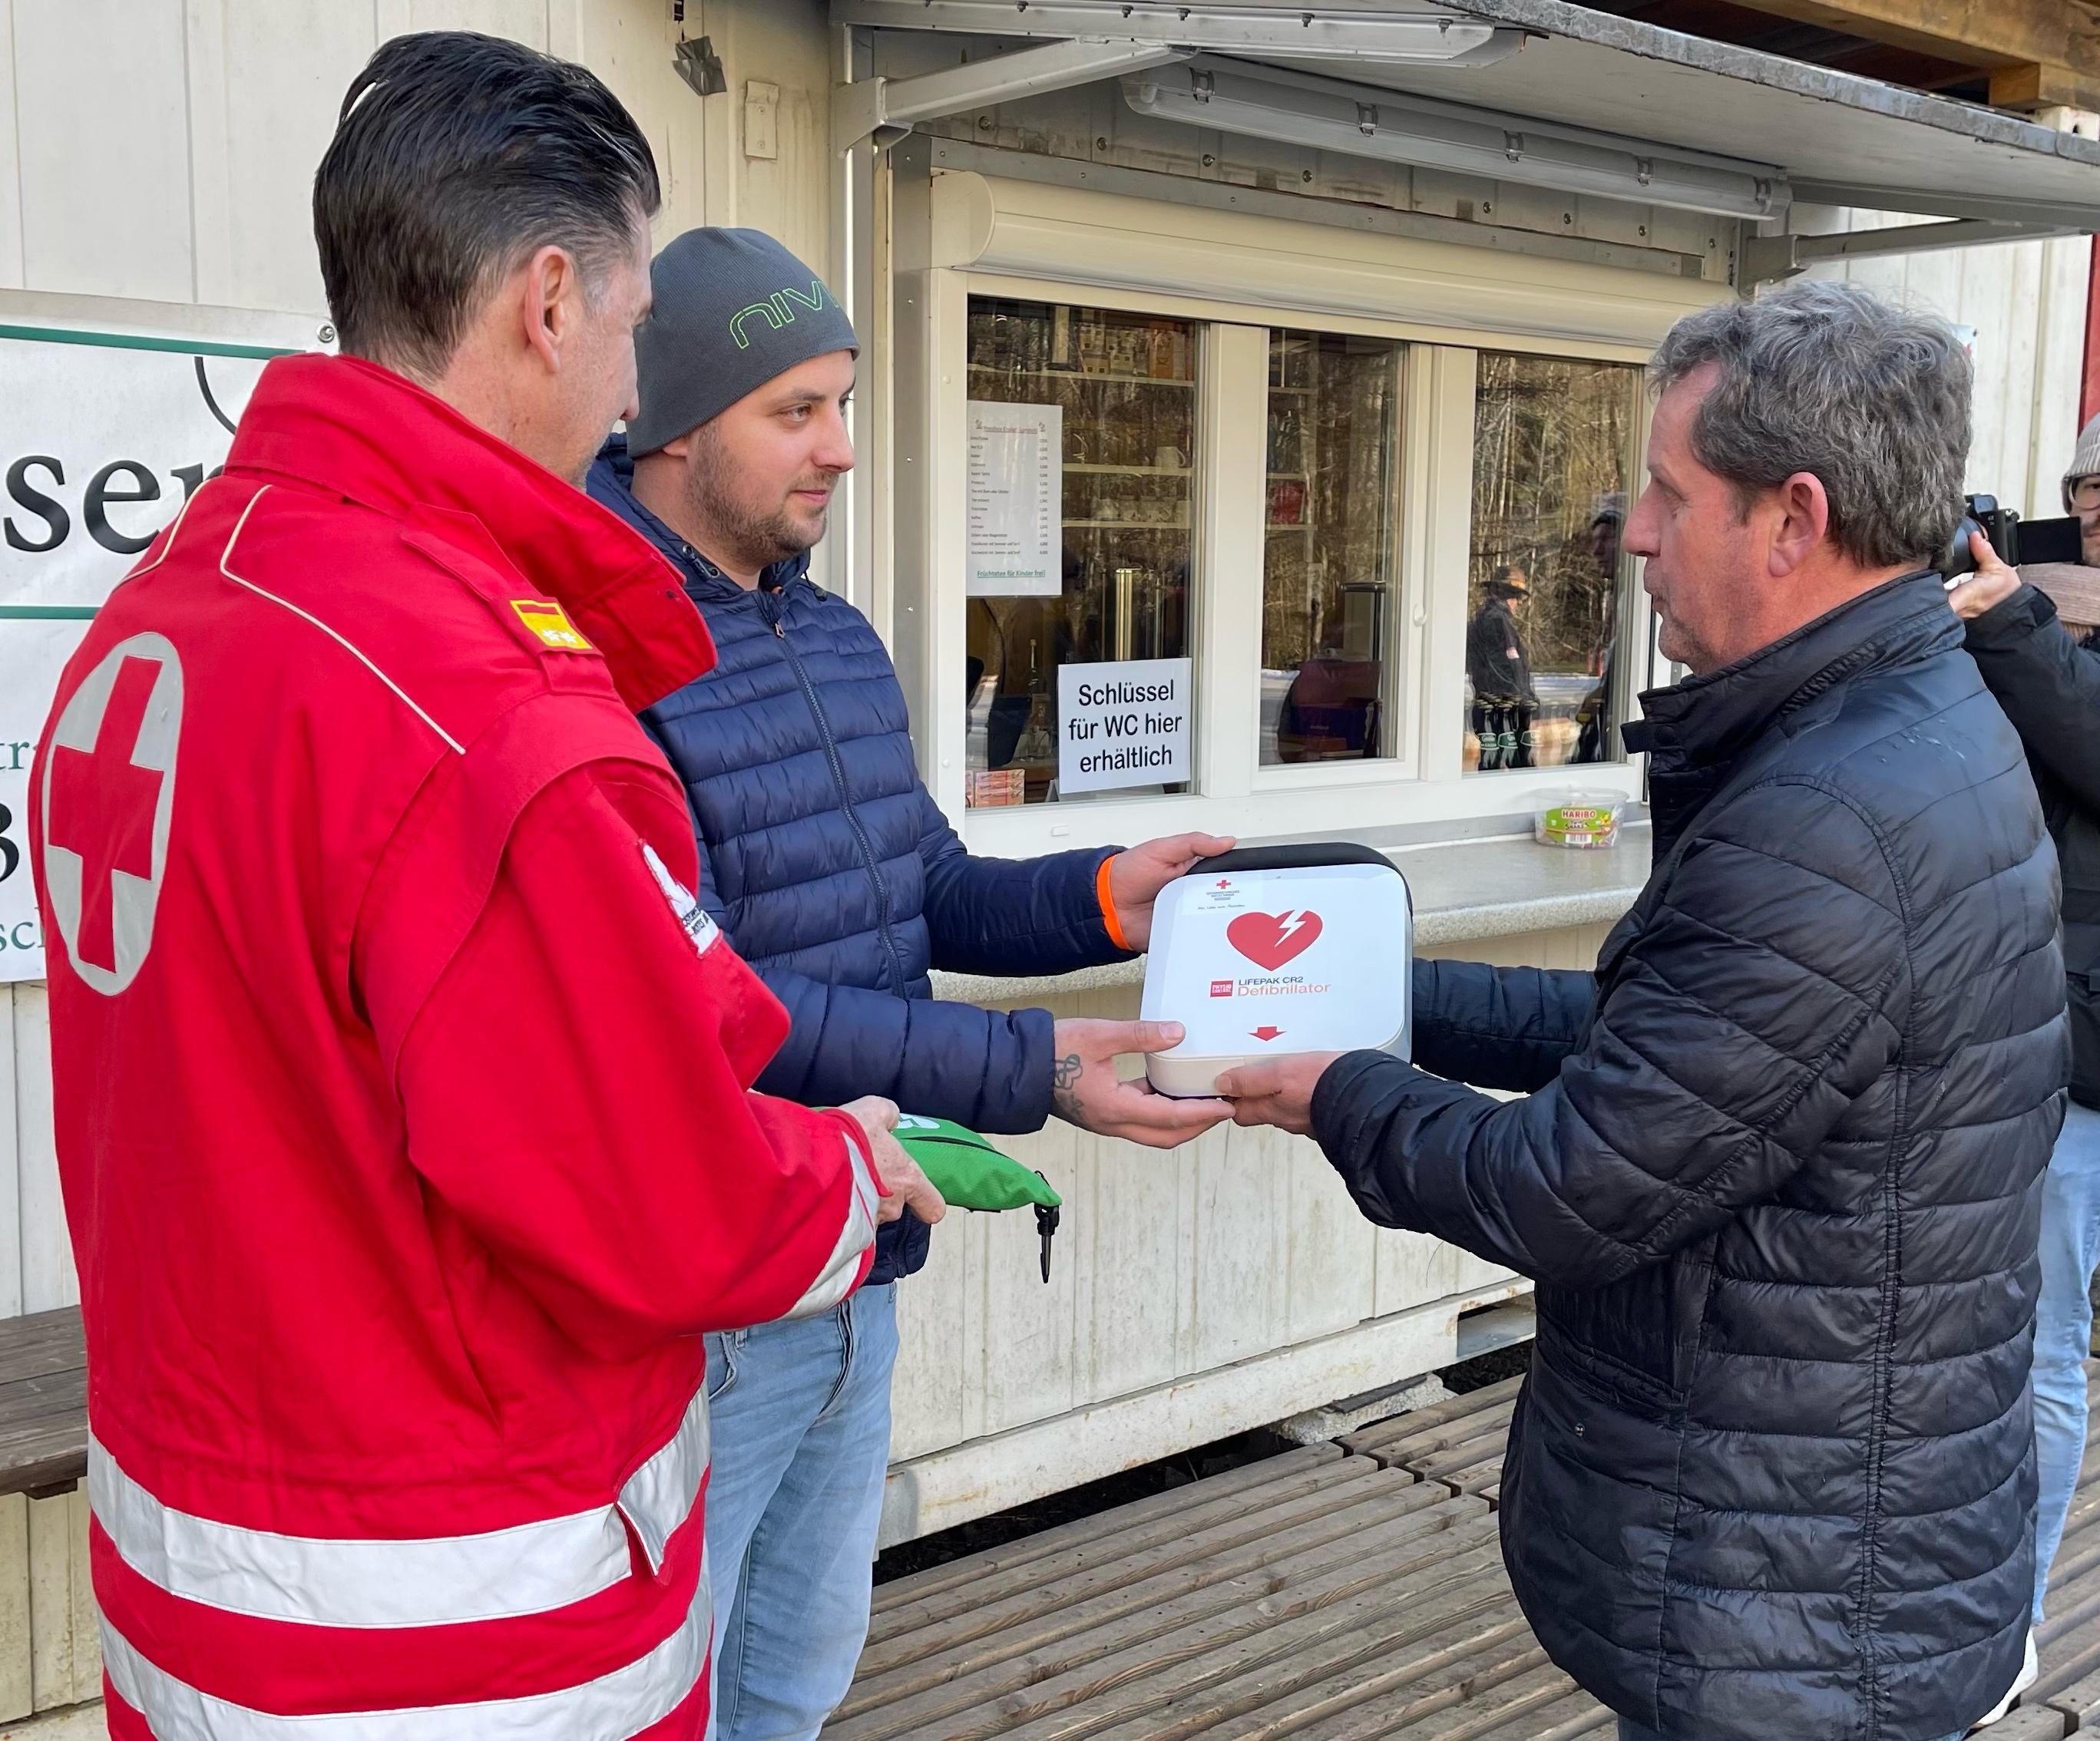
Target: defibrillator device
1269, 951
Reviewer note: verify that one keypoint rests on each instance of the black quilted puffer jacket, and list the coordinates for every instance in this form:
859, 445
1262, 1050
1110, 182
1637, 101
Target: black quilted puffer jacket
1777, 1174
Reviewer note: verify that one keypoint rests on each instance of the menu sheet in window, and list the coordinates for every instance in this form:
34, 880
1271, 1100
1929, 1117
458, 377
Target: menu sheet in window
1017, 492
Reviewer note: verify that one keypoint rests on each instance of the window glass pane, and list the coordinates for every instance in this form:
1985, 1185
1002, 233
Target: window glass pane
1552, 457
1329, 566
1083, 432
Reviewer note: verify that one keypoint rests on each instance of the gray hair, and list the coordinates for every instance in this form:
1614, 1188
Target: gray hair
1821, 377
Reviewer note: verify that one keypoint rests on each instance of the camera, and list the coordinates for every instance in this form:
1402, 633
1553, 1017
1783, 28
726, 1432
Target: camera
2016, 541
1999, 525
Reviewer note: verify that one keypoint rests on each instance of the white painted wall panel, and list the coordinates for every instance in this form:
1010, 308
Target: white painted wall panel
48, 1278
11, 1119
272, 92
165, 149
10, 181
521, 20
102, 143
2027, 302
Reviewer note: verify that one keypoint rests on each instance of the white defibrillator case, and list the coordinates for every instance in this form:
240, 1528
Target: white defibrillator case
1273, 950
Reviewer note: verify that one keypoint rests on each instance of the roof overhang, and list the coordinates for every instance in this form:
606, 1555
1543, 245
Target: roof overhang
1587, 82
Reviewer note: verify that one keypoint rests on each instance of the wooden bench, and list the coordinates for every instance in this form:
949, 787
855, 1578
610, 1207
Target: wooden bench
43, 1403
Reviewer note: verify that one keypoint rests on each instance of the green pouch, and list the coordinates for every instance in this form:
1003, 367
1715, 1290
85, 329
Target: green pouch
970, 1174
967, 1169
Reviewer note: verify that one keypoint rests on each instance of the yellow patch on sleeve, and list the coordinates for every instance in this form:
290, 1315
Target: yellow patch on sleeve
551, 624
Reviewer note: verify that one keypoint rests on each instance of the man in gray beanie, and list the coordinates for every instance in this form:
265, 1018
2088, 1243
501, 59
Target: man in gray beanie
835, 876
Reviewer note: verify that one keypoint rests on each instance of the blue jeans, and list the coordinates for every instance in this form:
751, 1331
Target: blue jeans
801, 1418
2063, 1327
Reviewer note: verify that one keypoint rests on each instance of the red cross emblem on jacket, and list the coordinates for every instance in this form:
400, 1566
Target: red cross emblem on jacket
107, 808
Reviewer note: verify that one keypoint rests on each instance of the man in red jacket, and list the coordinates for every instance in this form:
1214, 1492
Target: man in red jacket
402, 1084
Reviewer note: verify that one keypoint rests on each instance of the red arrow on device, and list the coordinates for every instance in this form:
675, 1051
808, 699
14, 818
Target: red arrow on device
1266, 1033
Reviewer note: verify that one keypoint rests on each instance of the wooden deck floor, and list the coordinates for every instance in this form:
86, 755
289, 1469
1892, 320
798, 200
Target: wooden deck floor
1347, 1592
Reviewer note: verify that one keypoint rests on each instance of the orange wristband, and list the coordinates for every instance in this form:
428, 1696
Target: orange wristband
1108, 904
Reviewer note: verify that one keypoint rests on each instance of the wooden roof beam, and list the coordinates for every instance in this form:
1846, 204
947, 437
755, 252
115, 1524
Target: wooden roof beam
2038, 52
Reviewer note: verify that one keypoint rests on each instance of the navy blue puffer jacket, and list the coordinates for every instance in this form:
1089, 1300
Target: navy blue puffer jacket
1778, 1172
833, 873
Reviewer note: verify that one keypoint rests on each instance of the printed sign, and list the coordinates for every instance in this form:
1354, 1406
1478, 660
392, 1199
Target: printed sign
1123, 724
1255, 963
1017, 500
103, 436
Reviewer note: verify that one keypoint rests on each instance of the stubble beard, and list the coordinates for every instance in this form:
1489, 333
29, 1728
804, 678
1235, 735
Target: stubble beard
756, 537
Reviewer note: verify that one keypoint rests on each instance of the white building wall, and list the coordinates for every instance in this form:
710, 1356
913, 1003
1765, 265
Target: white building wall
2026, 301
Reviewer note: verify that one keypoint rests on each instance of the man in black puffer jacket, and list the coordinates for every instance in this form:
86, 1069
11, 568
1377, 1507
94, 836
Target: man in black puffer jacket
1778, 1167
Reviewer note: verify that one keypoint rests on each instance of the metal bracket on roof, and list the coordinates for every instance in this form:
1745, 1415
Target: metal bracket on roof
1324, 29
1769, 259
695, 61
885, 109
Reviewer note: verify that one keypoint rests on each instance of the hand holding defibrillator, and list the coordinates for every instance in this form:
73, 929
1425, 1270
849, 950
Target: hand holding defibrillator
1270, 963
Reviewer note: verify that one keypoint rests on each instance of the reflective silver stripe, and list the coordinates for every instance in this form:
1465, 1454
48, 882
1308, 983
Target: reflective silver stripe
432, 1581
841, 1269
660, 1495
610, 1708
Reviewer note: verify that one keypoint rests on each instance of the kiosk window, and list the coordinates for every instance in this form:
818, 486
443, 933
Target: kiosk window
1082, 430
1330, 537
1553, 448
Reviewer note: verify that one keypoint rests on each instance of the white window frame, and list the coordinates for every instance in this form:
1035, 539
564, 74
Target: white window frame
1103, 243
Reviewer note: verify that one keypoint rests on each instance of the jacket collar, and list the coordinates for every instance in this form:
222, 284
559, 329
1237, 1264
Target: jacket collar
353, 430
1696, 731
1712, 719
611, 483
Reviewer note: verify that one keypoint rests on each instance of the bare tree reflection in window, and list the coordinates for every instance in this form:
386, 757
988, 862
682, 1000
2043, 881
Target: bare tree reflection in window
1552, 461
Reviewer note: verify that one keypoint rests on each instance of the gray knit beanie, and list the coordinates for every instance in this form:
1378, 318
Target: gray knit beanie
733, 309
2085, 463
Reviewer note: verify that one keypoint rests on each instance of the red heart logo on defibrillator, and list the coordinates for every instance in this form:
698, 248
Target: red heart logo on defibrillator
1268, 940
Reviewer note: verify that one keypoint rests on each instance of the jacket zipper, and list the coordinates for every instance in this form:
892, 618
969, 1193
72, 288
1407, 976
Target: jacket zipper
769, 606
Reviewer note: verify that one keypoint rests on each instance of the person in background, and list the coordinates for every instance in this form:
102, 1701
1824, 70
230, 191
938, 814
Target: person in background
1496, 660
401, 1087
1777, 1165
1499, 667
830, 868
1593, 720
2048, 682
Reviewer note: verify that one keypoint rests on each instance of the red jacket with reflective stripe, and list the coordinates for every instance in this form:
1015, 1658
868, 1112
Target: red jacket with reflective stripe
402, 1098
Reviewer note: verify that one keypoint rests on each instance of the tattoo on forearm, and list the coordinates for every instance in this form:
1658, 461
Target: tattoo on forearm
1065, 1086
